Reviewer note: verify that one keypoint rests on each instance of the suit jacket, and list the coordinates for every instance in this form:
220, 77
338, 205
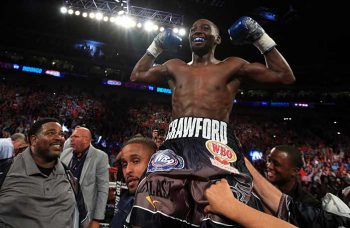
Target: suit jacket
94, 180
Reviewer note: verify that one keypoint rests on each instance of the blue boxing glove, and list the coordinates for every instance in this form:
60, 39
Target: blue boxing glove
247, 31
164, 40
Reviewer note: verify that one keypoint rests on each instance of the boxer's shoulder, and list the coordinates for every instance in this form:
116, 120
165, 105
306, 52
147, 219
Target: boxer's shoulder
234, 59
175, 63
233, 63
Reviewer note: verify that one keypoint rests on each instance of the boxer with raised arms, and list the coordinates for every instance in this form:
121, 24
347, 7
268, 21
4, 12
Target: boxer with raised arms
200, 147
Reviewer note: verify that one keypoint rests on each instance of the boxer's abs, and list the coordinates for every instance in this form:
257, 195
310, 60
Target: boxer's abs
214, 106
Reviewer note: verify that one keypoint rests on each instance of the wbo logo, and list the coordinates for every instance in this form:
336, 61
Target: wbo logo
221, 152
165, 160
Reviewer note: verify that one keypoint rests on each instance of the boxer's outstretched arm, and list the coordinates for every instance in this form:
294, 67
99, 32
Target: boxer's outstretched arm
144, 70
268, 193
277, 70
222, 201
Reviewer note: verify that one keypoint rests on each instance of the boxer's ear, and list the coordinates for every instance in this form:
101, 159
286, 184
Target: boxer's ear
218, 39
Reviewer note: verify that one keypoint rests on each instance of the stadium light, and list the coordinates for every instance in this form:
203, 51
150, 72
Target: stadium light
131, 22
63, 10
182, 32
92, 15
148, 26
123, 7
155, 27
123, 14
118, 20
125, 21
98, 16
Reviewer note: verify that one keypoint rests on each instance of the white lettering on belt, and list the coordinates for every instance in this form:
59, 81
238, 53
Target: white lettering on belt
223, 132
179, 128
206, 129
191, 123
215, 130
198, 127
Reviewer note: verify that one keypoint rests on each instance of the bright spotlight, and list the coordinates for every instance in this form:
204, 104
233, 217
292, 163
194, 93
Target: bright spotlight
126, 21
63, 10
155, 27
118, 20
99, 16
121, 12
161, 29
92, 15
139, 25
85, 14
77, 13
182, 32
148, 26
70, 11
105, 18
112, 19
176, 30
132, 23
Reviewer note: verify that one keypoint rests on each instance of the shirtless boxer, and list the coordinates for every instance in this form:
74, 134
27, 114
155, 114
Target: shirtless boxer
200, 147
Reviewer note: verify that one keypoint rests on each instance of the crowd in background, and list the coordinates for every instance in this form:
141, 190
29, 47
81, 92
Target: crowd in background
326, 152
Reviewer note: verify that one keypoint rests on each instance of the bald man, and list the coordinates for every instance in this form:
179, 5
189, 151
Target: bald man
90, 166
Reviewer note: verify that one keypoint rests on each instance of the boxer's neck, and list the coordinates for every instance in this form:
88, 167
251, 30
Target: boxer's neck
203, 60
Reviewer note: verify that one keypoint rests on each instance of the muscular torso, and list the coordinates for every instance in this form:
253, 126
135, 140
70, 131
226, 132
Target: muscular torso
203, 90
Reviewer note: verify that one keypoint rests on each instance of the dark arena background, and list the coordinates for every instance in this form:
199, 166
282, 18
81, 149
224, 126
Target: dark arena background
72, 60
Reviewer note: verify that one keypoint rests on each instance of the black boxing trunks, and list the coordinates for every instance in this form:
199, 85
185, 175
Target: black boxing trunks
196, 153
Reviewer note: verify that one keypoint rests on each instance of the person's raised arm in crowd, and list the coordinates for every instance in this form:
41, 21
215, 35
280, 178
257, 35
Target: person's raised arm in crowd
296, 212
268, 193
222, 201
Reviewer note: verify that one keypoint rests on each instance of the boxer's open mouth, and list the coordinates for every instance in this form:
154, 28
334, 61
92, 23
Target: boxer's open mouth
198, 40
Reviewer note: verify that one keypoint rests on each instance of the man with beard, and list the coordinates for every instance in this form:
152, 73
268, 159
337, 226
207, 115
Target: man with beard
200, 146
37, 190
133, 159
